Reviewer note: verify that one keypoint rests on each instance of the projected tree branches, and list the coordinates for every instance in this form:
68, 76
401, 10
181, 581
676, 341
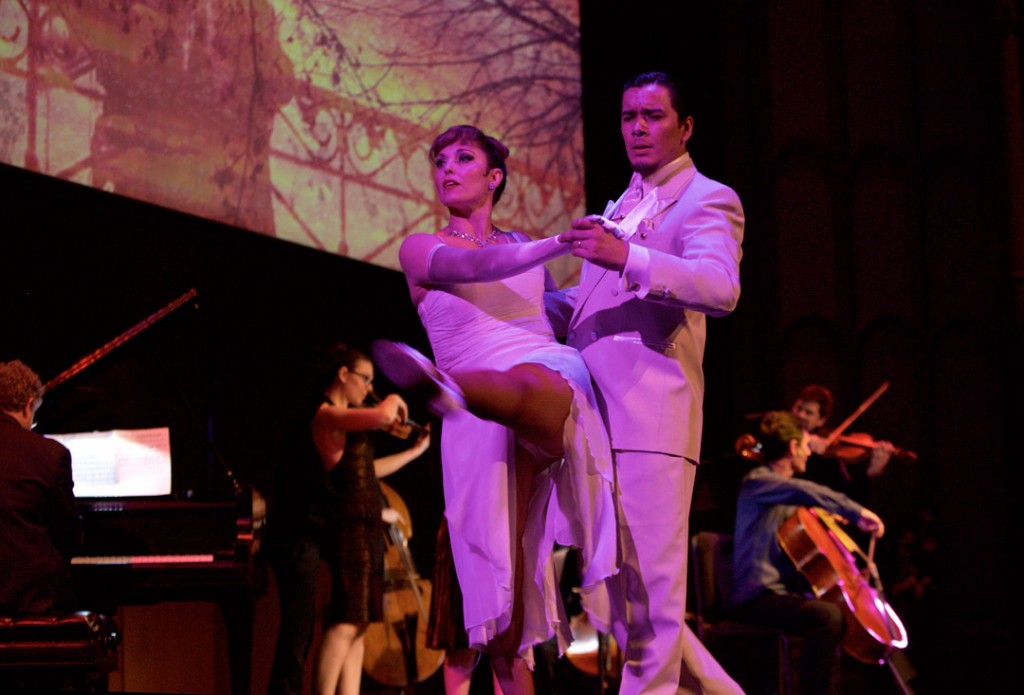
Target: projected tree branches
308, 120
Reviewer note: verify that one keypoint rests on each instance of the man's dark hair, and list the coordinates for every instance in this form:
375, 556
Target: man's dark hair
816, 393
676, 89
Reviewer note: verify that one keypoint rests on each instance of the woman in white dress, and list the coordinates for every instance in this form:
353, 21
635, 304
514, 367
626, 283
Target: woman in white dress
525, 456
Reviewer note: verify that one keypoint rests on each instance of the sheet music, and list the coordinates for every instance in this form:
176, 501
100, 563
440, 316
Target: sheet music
120, 463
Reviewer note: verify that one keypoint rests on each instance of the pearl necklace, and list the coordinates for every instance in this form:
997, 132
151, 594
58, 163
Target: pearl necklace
491, 238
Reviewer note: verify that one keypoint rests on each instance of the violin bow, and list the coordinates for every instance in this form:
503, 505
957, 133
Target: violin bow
831, 439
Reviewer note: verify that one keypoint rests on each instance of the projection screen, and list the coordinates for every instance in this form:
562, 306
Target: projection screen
308, 121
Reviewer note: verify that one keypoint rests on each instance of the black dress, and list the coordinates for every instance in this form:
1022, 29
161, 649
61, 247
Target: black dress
353, 543
296, 517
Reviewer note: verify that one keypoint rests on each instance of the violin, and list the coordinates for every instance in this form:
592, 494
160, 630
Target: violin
396, 652
848, 448
838, 442
403, 430
855, 446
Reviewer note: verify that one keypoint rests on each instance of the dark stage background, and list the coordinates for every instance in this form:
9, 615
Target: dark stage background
877, 148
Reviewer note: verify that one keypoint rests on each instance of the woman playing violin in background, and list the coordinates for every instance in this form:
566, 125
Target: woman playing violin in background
328, 504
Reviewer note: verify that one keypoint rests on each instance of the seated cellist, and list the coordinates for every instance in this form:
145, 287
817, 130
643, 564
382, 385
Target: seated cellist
768, 589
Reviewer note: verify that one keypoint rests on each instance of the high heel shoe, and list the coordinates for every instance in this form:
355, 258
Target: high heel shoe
409, 369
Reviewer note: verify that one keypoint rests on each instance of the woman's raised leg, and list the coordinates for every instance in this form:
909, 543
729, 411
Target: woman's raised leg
531, 399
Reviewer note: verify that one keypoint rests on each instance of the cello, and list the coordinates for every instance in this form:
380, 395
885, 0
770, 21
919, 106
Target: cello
396, 651
826, 556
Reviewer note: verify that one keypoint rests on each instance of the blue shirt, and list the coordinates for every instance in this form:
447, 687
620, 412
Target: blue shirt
766, 500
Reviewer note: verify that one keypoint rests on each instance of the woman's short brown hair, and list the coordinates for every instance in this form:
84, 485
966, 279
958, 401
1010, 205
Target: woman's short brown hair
496, 152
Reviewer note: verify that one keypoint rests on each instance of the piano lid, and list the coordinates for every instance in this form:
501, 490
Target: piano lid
153, 375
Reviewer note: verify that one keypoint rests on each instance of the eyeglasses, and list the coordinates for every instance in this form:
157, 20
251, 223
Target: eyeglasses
368, 380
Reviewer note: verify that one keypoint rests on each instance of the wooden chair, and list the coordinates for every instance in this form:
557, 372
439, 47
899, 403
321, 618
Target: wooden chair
757, 657
70, 652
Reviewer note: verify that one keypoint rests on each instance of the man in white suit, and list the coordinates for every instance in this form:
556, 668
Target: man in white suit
637, 317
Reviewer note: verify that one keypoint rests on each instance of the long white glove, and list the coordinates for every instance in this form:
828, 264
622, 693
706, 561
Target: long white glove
448, 264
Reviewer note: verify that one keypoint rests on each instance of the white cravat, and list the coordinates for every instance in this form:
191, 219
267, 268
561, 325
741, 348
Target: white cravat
635, 208
634, 194
635, 212
636, 205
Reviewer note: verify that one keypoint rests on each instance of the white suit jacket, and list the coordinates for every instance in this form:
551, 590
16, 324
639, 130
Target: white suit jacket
645, 354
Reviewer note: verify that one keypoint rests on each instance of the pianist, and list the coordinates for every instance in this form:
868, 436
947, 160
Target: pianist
39, 523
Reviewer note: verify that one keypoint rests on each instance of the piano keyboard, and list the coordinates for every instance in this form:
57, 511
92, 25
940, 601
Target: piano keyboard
139, 559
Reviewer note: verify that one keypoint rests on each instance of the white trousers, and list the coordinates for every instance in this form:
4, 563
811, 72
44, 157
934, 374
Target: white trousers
648, 595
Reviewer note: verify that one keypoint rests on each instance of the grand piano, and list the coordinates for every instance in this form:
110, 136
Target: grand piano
148, 551
199, 543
